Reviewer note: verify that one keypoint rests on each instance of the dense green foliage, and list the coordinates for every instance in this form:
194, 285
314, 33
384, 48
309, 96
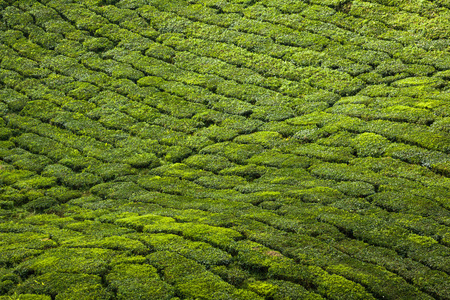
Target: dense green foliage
224, 149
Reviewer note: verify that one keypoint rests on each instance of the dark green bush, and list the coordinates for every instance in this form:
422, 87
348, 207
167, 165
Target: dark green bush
355, 188
275, 158
184, 125
232, 106
289, 290
140, 281
217, 133
16, 18
220, 237
283, 128
43, 145
68, 177
162, 52
241, 124
13, 99
198, 251
412, 204
170, 185
137, 222
27, 297
176, 154
24, 66
48, 40
267, 139
64, 285
110, 171
79, 163
99, 231
333, 154
220, 182
323, 96
62, 194
232, 274
41, 204
119, 243
81, 90
140, 111
269, 113
180, 170
411, 133
29, 161
173, 265
208, 162
249, 171
116, 190
179, 108
308, 134
135, 157
207, 285
370, 144
87, 261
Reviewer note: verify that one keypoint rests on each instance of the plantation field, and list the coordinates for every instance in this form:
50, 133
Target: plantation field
224, 149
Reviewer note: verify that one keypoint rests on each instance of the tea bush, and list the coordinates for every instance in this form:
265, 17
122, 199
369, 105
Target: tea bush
142, 281
200, 252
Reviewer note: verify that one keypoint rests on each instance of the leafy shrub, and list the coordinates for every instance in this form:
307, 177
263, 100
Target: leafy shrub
323, 96
42, 145
232, 274
220, 182
141, 281
208, 162
398, 202
179, 170
27, 297
41, 204
79, 163
24, 66
442, 124
116, 190
96, 229
13, 99
289, 290
65, 285
275, 158
334, 154
241, 124
87, 261
267, 139
355, 188
170, 185
370, 144
135, 157
70, 178
173, 265
198, 251
207, 285
111, 242
219, 237
416, 134
249, 171
29, 161
217, 133
111, 171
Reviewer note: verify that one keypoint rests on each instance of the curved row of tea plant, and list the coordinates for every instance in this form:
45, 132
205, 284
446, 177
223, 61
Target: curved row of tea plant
224, 149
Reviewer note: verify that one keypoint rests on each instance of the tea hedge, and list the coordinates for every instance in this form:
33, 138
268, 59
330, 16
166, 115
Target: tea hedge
229, 149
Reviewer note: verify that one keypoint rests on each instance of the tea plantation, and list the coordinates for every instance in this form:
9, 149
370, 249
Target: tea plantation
224, 149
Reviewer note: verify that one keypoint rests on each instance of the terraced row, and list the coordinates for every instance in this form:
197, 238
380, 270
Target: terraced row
224, 149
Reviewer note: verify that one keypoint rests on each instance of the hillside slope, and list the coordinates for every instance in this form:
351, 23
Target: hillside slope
224, 149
